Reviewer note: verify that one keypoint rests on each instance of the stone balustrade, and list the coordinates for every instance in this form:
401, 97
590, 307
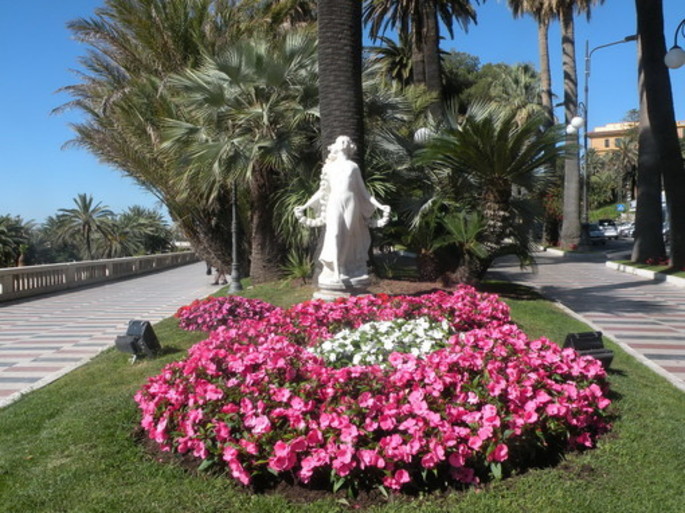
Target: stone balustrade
21, 282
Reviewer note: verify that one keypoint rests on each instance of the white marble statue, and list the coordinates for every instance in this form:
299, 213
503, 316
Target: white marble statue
344, 206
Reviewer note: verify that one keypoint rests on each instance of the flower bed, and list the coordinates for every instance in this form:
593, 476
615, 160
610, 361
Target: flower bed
208, 314
255, 398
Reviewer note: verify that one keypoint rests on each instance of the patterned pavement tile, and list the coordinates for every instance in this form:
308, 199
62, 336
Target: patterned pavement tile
645, 317
43, 338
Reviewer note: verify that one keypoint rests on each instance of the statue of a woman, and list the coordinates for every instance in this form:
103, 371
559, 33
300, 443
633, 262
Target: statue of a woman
344, 206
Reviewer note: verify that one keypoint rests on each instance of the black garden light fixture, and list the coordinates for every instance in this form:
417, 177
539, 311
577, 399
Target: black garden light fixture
590, 343
140, 340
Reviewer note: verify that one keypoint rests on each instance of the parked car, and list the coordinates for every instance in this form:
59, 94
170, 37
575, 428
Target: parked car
626, 230
596, 234
608, 226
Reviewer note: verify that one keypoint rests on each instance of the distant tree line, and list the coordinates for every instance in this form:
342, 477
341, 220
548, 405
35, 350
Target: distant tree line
87, 231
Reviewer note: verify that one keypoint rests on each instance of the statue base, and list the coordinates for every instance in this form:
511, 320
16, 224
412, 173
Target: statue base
332, 290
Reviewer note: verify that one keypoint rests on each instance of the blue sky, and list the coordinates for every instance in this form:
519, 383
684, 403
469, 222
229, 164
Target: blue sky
37, 176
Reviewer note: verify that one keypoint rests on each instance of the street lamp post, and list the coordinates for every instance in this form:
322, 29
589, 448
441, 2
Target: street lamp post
235, 285
675, 57
581, 121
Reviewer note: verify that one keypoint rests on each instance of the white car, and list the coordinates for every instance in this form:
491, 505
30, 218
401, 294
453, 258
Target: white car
609, 228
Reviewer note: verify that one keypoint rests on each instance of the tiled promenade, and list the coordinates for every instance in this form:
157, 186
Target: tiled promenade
45, 337
645, 317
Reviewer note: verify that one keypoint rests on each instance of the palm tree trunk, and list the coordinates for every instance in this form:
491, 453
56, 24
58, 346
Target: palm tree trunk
570, 228
545, 73
340, 66
418, 61
659, 150
431, 54
265, 255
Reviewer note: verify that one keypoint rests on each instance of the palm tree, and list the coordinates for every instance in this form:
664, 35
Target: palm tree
543, 14
564, 9
84, 221
340, 73
481, 160
515, 89
151, 229
624, 163
659, 152
133, 48
248, 113
395, 58
420, 19
279, 14
14, 240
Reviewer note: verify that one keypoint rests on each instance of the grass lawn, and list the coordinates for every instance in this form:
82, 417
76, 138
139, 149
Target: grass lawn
69, 447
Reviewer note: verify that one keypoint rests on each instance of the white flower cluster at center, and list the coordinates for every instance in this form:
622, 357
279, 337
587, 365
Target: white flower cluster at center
372, 343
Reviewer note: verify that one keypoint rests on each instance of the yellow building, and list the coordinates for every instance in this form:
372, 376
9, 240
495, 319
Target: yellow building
605, 138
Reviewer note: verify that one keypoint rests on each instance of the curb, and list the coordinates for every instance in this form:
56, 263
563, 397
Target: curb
573, 254
652, 275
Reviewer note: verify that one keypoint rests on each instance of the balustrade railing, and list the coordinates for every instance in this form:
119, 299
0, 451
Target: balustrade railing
32, 280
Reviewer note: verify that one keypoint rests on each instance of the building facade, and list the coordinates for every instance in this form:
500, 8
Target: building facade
606, 138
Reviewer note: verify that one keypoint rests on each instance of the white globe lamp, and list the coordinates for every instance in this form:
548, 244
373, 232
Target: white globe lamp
675, 57
577, 122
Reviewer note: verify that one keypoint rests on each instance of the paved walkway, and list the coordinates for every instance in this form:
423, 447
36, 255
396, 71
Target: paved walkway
45, 337
644, 317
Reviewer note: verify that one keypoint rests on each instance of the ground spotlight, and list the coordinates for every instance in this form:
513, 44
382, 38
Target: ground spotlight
590, 343
140, 340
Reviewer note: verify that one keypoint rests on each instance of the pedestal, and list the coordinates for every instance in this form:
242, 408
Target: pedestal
332, 290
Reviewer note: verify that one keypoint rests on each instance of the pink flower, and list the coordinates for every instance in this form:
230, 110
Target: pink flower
250, 447
370, 458
475, 442
239, 473
260, 425
396, 481
387, 422
295, 413
314, 437
500, 453
283, 458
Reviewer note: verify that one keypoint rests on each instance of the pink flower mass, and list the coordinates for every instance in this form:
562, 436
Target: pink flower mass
253, 397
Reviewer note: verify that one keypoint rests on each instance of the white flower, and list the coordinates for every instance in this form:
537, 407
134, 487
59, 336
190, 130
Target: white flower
373, 342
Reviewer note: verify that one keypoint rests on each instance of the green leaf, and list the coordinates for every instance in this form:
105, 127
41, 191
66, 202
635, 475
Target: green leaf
496, 469
383, 491
206, 464
338, 483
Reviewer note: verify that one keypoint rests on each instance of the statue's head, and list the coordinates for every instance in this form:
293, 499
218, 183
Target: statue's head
343, 145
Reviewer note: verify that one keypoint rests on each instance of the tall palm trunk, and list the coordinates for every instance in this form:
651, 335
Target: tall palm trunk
340, 67
266, 252
431, 54
418, 61
570, 228
659, 150
551, 222
545, 72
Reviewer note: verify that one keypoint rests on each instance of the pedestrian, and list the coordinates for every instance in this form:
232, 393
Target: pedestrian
220, 277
